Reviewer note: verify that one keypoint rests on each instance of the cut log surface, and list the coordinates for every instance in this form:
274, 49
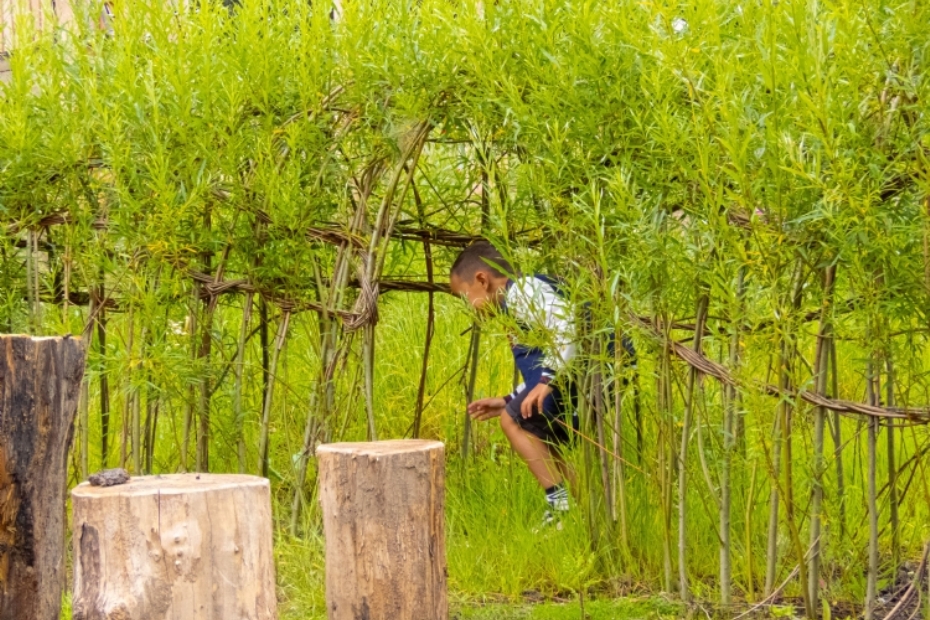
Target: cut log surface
40, 382
175, 547
383, 519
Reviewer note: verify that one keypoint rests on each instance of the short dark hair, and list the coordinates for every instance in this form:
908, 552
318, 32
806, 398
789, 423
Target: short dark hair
480, 255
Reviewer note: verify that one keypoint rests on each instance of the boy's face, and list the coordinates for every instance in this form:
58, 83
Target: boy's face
481, 293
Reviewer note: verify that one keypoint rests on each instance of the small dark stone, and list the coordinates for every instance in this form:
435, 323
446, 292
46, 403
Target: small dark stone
109, 478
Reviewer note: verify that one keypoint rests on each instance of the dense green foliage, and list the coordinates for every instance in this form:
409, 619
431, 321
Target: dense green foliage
751, 178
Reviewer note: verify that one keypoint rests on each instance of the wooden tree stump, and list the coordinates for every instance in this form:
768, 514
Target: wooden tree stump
179, 547
40, 382
383, 519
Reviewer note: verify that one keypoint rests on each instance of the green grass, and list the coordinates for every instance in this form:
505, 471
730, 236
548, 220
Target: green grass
492, 574
621, 151
620, 609
494, 550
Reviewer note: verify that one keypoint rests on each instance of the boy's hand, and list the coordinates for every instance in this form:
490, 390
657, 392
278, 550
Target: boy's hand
486, 408
535, 399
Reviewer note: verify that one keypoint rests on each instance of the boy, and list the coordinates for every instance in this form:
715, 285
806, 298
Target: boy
539, 415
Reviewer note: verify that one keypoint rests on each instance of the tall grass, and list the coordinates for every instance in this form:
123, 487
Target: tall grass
209, 194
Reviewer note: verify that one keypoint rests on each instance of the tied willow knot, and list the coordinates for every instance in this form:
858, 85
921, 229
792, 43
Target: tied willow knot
365, 310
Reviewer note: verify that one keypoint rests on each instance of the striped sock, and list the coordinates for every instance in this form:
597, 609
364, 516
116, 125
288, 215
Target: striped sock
557, 497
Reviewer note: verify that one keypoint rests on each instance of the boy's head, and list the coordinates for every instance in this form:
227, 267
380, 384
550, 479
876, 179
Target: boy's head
479, 274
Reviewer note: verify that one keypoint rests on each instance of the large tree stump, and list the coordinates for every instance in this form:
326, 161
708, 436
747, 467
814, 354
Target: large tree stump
383, 519
40, 382
178, 547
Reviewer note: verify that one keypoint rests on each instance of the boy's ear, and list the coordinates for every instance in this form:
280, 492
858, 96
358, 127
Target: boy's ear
481, 277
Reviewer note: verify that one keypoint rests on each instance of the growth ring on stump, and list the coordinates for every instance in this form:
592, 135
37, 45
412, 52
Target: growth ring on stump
184, 547
383, 520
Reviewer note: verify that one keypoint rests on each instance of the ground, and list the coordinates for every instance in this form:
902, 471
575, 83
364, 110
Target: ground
622, 609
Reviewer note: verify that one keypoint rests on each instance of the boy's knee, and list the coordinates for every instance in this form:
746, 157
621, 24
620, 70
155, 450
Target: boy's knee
506, 421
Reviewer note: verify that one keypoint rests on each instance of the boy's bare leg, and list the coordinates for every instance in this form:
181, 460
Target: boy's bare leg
566, 470
544, 466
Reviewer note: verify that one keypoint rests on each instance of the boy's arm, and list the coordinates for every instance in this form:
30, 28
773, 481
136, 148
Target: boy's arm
535, 303
485, 408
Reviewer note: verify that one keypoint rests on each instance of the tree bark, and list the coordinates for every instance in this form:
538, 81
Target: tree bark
665, 458
731, 413
265, 433
693, 381
619, 469
40, 384
474, 349
837, 433
430, 330
871, 579
383, 520
368, 361
824, 342
182, 546
597, 384
104, 379
238, 413
893, 497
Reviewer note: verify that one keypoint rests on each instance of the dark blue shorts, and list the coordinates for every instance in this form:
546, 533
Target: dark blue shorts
556, 421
